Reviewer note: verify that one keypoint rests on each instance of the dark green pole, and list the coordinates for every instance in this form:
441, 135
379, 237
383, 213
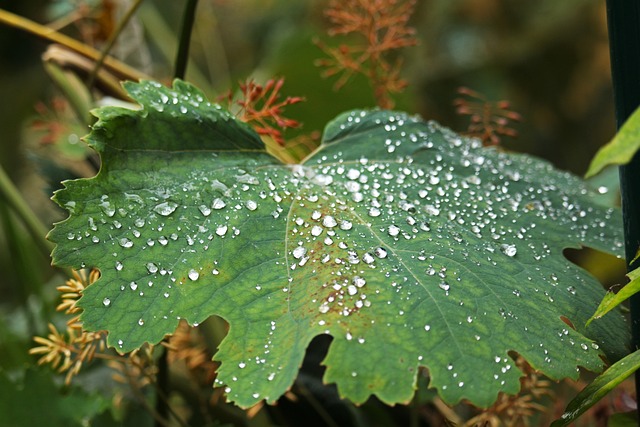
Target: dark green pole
182, 56
623, 18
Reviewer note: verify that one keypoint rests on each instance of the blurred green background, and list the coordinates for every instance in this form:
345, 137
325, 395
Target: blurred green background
549, 58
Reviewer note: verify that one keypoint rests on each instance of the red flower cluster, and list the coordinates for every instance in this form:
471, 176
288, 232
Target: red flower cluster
489, 120
382, 27
260, 107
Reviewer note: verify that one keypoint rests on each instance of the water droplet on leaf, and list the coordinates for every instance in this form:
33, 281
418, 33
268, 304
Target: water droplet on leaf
165, 208
218, 204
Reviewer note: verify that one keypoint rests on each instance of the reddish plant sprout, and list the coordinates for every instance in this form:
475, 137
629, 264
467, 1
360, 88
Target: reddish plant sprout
489, 120
260, 107
50, 121
381, 28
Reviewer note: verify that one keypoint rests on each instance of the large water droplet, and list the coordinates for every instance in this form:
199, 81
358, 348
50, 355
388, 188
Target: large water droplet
218, 204
346, 225
165, 208
193, 274
432, 210
359, 281
368, 258
125, 243
152, 268
381, 252
299, 252
204, 210
509, 250
107, 208
329, 221
353, 174
393, 230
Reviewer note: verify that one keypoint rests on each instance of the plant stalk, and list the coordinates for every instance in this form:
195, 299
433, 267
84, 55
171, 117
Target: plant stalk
124, 71
182, 57
623, 18
10, 194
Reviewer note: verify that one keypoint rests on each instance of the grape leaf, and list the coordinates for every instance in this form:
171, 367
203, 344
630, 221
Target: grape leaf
56, 408
409, 244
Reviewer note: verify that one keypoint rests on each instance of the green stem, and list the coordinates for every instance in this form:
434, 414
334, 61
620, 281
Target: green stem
185, 39
414, 414
74, 90
317, 406
14, 200
111, 41
162, 386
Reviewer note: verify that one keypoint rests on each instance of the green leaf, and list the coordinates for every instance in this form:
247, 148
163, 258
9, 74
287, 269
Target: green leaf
599, 388
621, 148
623, 419
37, 401
409, 244
611, 300
607, 184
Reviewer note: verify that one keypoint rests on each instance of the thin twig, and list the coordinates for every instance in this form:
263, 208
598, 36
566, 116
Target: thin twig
326, 416
111, 41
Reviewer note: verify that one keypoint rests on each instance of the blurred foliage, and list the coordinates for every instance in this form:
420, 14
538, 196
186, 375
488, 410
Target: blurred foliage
548, 58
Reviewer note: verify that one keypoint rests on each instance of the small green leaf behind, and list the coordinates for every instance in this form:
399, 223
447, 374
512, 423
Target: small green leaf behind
612, 300
410, 245
607, 185
623, 419
37, 401
621, 148
599, 388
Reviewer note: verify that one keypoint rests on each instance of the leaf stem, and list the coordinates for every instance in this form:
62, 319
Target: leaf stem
317, 406
182, 57
140, 397
162, 385
414, 414
10, 194
54, 36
